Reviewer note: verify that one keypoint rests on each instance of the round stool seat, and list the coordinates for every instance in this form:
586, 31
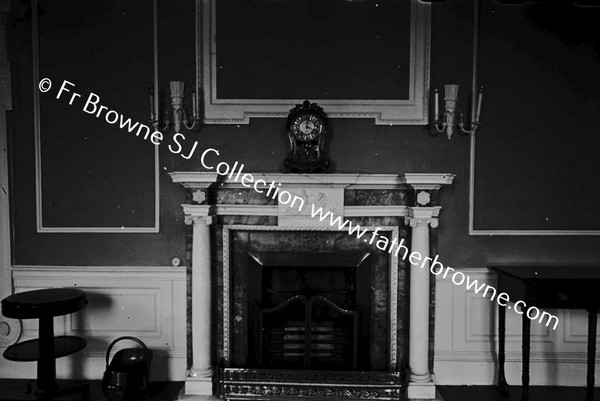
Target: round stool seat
44, 303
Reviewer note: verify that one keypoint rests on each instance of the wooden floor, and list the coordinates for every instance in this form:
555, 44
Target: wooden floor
12, 390
489, 393
16, 389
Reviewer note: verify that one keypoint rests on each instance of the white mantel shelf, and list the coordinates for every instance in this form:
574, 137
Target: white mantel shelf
191, 179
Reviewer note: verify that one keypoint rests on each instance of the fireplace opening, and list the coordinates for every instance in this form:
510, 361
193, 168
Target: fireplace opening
305, 309
308, 301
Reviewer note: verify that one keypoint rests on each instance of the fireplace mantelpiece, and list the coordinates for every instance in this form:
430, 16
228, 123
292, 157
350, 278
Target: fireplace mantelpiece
390, 201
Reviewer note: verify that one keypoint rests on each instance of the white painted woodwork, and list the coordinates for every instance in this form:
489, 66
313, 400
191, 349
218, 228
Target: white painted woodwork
144, 302
9, 328
196, 179
466, 340
199, 380
420, 383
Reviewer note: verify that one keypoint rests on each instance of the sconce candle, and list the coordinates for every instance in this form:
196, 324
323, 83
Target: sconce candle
476, 120
194, 109
152, 114
436, 114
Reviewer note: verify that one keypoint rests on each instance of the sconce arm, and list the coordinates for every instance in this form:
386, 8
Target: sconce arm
465, 131
195, 121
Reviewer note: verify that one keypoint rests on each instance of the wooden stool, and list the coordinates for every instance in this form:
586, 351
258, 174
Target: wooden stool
45, 305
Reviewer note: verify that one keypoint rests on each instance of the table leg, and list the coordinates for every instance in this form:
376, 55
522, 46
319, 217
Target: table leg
502, 384
46, 367
526, 348
591, 356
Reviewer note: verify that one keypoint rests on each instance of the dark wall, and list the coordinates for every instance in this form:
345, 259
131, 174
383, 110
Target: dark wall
542, 96
353, 145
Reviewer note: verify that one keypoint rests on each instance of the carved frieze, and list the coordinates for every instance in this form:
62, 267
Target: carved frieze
326, 199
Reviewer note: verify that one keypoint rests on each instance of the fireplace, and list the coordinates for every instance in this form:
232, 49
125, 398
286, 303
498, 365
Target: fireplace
280, 297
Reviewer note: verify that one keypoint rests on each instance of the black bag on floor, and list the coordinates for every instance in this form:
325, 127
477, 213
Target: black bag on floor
127, 376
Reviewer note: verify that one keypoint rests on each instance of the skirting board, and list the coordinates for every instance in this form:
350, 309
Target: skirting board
466, 340
144, 302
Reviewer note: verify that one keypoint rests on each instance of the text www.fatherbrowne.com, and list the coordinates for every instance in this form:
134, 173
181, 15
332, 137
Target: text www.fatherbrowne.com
92, 106
435, 267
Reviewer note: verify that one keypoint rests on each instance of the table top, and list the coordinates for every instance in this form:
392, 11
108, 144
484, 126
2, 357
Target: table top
44, 303
30, 350
550, 272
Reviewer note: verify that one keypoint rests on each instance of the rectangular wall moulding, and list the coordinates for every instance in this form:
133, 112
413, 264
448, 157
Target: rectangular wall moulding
528, 177
245, 70
91, 175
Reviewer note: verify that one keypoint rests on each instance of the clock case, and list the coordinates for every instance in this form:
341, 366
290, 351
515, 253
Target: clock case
306, 155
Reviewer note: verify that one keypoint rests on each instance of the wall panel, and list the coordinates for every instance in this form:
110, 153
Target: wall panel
93, 176
533, 161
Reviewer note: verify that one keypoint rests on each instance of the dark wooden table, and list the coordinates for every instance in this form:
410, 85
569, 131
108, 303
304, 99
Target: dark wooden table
548, 288
45, 305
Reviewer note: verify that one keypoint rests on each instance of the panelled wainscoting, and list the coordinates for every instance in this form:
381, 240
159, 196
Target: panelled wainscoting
466, 341
141, 301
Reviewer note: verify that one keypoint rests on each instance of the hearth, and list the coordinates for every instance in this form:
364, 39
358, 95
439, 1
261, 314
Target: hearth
284, 305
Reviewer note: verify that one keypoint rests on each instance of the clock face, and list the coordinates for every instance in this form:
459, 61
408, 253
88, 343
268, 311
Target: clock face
307, 127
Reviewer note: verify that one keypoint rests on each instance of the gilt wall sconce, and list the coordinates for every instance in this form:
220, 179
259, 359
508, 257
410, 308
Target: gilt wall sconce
452, 119
176, 114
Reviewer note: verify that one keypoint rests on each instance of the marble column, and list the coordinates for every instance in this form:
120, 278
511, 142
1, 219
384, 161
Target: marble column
199, 380
420, 385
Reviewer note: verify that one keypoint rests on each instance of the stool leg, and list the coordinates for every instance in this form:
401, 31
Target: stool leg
46, 367
591, 356
502, 384
525, 347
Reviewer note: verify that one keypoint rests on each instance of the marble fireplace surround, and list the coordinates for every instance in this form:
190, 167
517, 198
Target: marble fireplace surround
216, 206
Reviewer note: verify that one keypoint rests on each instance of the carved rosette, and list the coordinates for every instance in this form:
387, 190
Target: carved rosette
425, 195
199, 196
423, 198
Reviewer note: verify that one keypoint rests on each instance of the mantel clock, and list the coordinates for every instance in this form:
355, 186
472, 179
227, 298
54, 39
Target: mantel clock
306, 129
